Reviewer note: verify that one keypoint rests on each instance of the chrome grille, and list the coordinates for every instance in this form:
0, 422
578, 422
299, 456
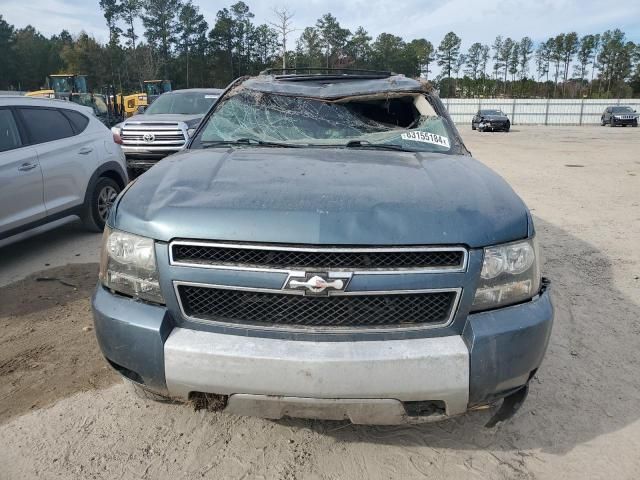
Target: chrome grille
375, 310
165, 134
325, 258
139, 137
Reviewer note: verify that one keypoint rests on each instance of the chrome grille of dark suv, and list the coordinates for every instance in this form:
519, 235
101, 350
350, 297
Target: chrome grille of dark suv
164, 134
299, 258
277, 309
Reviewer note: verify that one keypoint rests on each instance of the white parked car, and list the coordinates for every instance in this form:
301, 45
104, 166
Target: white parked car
58, 162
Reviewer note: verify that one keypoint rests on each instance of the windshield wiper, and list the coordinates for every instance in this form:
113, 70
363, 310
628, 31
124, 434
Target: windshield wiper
247, 141
375, 146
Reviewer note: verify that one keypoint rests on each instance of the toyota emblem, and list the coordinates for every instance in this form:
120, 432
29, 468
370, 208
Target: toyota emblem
148, 137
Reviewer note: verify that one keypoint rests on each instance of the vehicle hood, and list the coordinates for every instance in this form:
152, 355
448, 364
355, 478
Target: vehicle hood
166, 117
322, 197
491, 118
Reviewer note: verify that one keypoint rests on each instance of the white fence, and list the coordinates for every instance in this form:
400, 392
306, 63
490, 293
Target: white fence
531, 111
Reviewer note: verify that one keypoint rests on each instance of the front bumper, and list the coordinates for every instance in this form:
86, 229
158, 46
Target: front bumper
435, 369
494, 126
624, 121
364, 381
141, 154
139, 162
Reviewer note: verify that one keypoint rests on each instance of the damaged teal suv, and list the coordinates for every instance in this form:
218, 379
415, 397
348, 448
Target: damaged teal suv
325, 247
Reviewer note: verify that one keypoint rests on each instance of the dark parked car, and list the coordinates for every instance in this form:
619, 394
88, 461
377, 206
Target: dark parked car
325, 247
489, 119
619, 115
164, 127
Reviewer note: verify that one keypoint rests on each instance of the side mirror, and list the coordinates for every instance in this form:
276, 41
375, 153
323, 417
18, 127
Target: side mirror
141, 109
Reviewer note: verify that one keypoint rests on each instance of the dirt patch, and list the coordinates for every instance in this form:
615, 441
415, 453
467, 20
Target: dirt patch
48, 349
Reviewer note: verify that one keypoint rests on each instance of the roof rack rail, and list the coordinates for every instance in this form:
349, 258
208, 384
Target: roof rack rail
360, 72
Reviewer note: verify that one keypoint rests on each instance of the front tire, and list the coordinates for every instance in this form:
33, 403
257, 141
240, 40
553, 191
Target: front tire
602, 122
473, 127
101, 199
612, 123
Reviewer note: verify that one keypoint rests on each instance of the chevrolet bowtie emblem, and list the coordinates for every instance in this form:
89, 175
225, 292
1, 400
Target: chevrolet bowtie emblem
316, 284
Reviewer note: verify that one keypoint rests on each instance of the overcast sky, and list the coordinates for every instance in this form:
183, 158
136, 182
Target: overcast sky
472, 20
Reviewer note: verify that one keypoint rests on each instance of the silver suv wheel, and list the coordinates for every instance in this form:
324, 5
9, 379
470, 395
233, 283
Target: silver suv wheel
101, 199
106, 197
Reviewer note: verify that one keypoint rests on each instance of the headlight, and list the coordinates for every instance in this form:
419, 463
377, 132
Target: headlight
191, 131
116, 130
510, 274
128, 265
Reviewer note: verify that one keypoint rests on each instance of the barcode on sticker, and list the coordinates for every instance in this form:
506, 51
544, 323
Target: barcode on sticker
426, 137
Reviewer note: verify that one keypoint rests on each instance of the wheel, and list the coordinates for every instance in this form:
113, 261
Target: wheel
507, 128
473, 127
612, 123
602, 122
101, 199
634, 124
145, 394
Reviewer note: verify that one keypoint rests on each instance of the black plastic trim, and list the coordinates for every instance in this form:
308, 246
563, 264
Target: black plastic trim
77, 211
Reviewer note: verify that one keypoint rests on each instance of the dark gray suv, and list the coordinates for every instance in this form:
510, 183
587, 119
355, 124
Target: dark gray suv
490, 120
164, 127
619, 115
325, 247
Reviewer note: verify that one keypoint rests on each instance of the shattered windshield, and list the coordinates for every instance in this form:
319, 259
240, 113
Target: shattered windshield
406, 120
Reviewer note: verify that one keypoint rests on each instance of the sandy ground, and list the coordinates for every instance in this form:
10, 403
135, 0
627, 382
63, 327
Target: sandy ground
56, 248
63, 414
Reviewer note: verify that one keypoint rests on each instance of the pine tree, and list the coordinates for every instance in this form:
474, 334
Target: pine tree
192, 31
161, 28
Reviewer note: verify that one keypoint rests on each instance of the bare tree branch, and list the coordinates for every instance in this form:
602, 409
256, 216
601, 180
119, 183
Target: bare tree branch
283, 25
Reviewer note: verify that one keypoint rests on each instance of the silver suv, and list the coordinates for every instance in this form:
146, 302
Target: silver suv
164, 127
57, 162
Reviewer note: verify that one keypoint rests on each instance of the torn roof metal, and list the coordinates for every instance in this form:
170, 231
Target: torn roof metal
332, 87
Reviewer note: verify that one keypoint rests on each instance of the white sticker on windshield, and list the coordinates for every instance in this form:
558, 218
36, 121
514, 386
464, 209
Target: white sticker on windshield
211, 96
426, 137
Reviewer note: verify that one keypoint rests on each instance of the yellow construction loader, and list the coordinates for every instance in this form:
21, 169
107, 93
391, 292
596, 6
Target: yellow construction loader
131, 103
63, 86
152, 90
73, 87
